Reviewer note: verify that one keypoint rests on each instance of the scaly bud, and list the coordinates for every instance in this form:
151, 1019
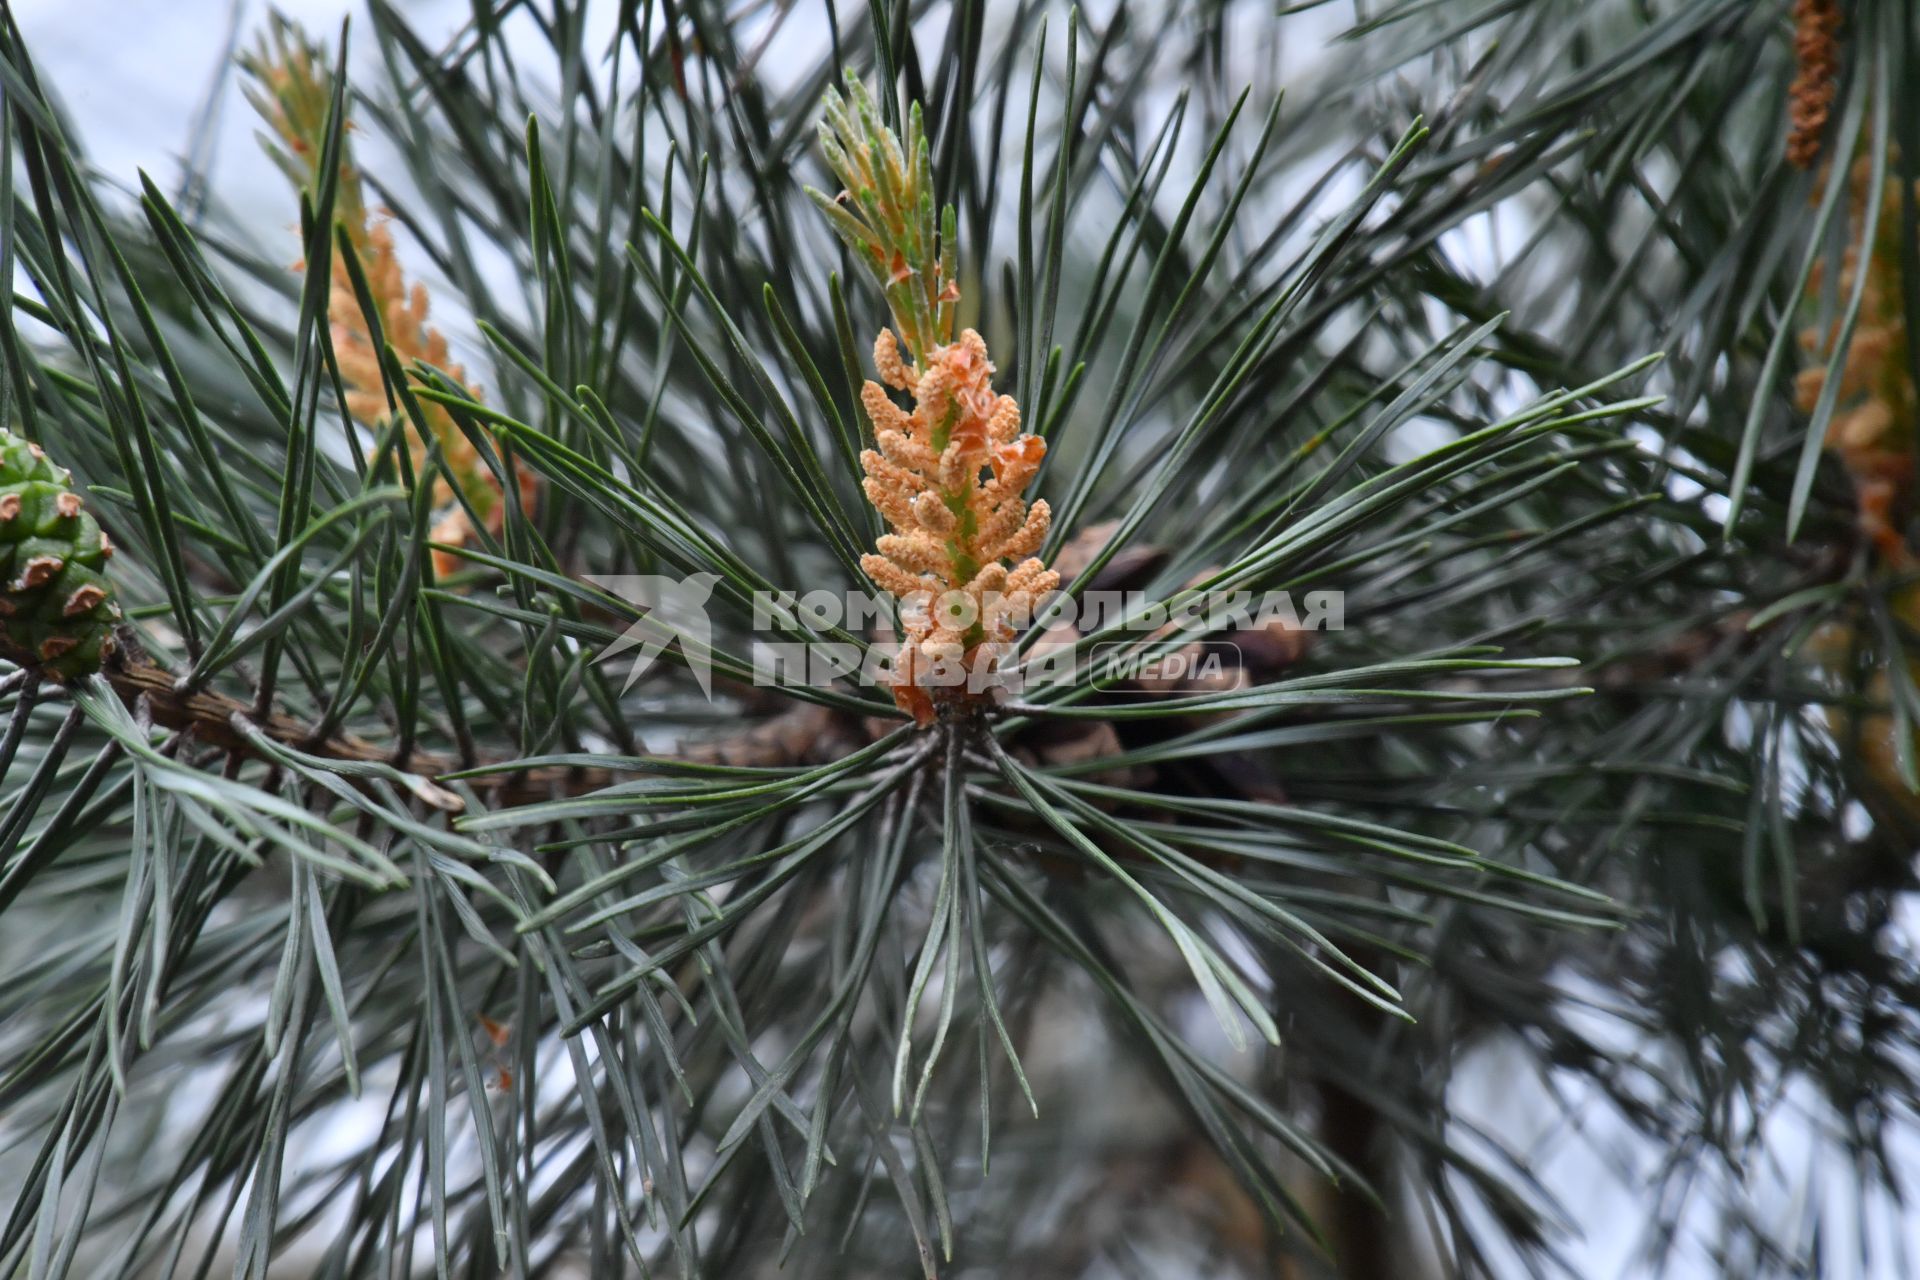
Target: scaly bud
886, 214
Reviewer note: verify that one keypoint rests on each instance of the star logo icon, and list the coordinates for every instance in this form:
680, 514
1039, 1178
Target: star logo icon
676, 609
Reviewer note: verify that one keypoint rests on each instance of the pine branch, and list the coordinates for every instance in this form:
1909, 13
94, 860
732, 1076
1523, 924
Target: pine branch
801, 734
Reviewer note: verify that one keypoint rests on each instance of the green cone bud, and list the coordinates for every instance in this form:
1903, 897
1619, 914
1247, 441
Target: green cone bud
56, 606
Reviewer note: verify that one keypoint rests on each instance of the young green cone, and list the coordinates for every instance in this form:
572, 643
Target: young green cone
56, 607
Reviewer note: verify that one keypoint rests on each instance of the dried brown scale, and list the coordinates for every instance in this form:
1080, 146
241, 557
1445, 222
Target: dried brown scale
83, 599
37, 572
